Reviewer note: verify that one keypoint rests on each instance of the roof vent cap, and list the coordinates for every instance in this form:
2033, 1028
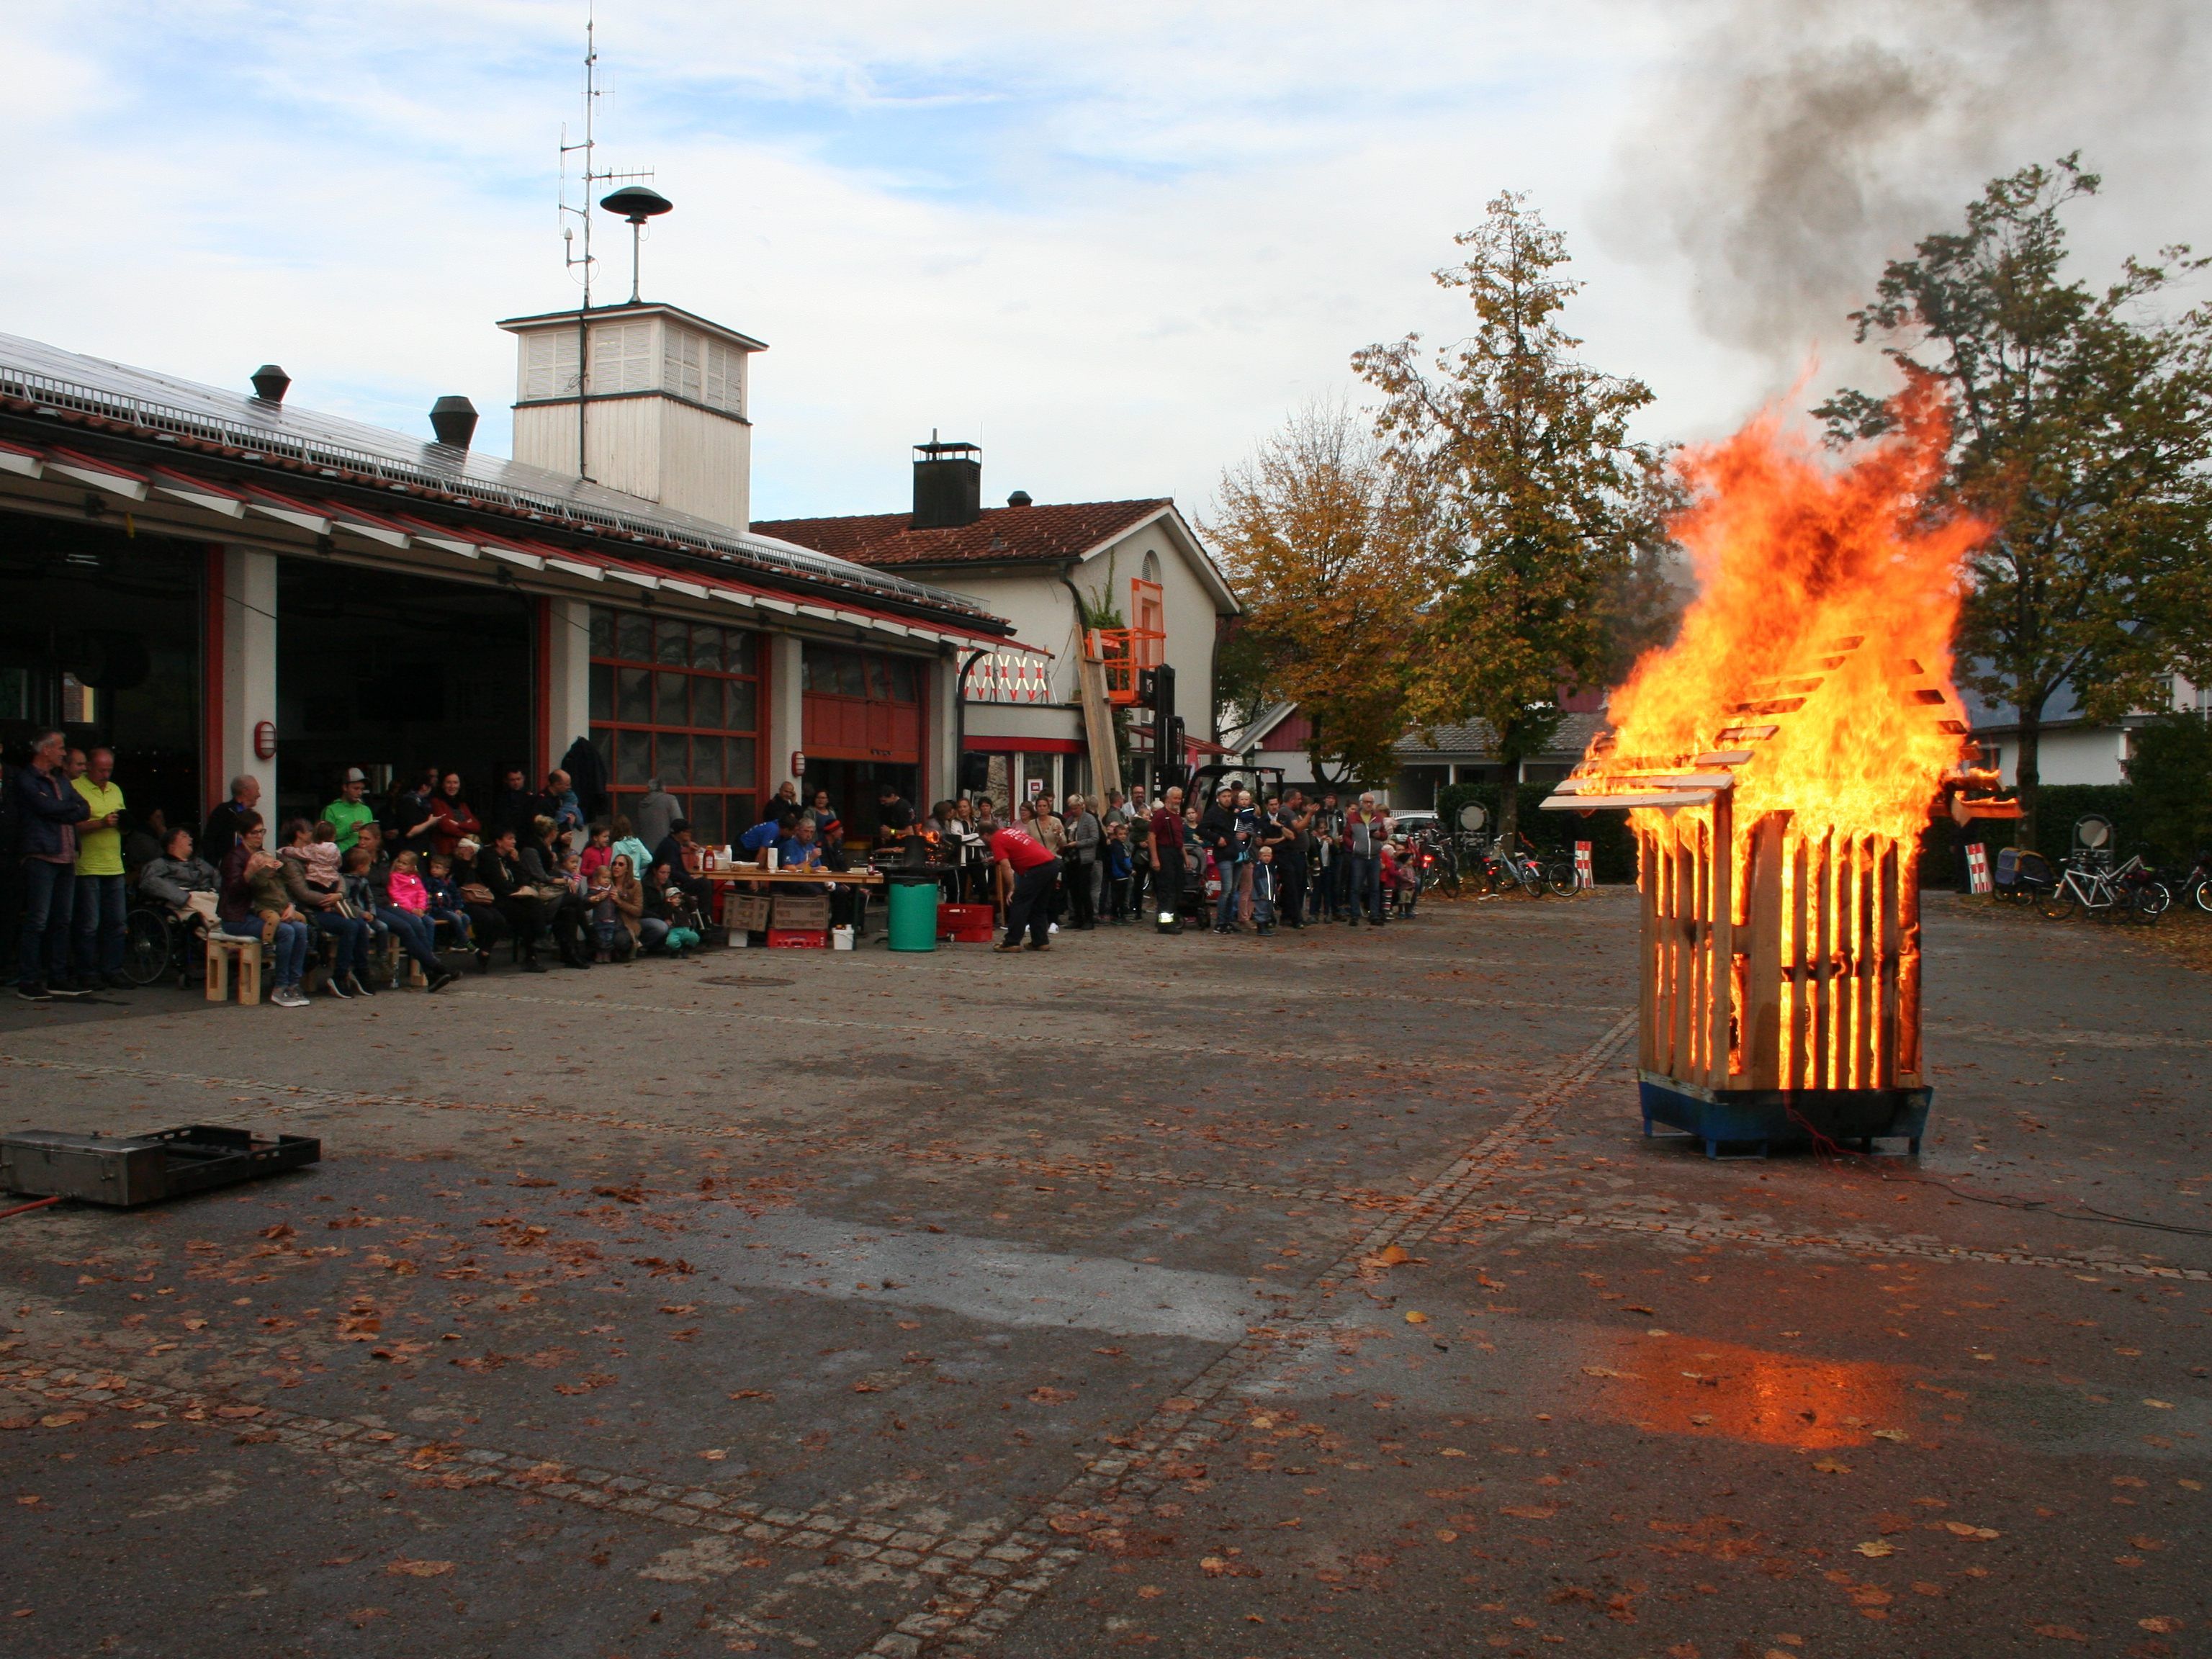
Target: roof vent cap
1019, 498
271, 383
454, 420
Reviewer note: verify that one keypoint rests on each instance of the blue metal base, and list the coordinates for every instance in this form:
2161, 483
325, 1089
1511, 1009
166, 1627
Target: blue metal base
1762, 1119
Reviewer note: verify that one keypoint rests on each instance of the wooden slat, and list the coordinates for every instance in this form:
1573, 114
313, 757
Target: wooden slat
1908, 967
1684, 993
1885, 1048
1647, 893
1720, 948
1763, 1016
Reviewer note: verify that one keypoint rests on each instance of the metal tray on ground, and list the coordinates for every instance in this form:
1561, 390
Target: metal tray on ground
124, 1171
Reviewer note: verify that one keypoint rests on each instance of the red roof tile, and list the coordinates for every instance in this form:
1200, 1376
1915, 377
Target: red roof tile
1067, 530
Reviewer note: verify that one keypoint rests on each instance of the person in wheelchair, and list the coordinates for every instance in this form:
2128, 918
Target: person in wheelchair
179, 873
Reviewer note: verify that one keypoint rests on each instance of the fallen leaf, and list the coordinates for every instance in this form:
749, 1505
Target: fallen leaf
1413, 1316
196, 1324
1898, 1435
1637, 1308
753, 1393
1048, 1395
1963, 1530
1529, 1511
1874, 1549
420, 1569
1829, 1465
1391, 1254
2059, 1632
2159, 1405
1608, 1370
62, 1419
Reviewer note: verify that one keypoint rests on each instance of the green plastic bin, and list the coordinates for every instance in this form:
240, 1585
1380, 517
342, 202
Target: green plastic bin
913, 905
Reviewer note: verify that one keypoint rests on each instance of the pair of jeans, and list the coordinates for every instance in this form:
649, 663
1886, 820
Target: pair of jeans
348, 937
1290, 894
415, 935
289, 951
101, 901
1366, 882
456, 920
1225, 908
1029, 908
42, 951
1081, 874
1167, 889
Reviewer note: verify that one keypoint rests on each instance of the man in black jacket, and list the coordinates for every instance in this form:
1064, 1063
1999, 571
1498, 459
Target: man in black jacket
517, 806
1216, 834
499, 868
222, 832
47, 812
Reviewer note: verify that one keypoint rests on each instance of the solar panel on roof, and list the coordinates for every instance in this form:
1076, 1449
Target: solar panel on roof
39, 372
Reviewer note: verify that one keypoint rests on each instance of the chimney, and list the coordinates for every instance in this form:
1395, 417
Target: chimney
271, 383
948, 484
454, 420
1019, 498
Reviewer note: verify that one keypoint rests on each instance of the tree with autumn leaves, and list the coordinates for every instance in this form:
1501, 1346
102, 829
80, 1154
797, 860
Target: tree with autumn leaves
1496, 540
2081, 430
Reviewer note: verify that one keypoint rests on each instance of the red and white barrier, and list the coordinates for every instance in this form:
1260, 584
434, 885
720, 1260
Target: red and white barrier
1584, 878
1978, 867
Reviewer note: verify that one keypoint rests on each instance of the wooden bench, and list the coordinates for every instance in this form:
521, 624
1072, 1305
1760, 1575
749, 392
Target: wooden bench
224, 949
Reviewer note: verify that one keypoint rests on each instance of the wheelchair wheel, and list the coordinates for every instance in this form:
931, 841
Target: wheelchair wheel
146, 946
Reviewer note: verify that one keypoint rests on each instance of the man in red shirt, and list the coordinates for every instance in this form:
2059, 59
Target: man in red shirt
1034, 869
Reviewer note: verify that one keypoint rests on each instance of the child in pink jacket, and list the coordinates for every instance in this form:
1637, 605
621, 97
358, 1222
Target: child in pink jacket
408, 892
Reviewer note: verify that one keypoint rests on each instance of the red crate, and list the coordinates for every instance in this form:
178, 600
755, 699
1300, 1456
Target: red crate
965, 923
797, 939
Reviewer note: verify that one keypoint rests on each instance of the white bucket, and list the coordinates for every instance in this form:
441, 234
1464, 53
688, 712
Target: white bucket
841, 939
739, 939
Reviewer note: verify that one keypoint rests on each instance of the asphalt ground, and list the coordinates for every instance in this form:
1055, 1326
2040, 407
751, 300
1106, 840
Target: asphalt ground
1309, 1296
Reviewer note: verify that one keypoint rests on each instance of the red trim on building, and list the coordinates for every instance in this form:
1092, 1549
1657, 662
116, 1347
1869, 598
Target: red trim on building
213, 672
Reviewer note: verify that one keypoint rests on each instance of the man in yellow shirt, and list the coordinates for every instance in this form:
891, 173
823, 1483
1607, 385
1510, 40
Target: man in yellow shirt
100, 890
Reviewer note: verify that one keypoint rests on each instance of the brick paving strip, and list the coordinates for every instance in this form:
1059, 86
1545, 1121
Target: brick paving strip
1711, 1232
969, 1612
1424, 1207
977, 1551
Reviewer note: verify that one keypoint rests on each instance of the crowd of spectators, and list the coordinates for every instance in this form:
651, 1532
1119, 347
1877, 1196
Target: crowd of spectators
353, 893
348, 896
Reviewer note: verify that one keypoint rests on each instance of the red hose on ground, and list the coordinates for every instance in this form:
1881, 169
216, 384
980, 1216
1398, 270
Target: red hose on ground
36, 1204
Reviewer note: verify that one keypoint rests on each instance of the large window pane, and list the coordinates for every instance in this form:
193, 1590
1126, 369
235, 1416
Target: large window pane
903, 681
737, 651
602, 631
739, 814
633, 637
603, 692
706, 647
634, 695
707, 703
707, 762
879, 682
672, 761
669, 705
851, 679
738, 765
742, 702
707, 820
633, 757
671, 643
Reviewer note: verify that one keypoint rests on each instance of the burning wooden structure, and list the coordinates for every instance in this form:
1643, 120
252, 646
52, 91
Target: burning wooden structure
1780, 958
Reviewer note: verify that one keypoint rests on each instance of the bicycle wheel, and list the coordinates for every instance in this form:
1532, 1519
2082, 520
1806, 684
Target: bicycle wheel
2146, 903
2060, 902
1561, 877
2204, 896
1532, 877
145, 946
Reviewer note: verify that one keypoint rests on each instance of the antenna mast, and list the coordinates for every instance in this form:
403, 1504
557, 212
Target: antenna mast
570, 258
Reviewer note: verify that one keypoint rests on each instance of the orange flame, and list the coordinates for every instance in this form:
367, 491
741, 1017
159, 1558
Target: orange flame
1823, 623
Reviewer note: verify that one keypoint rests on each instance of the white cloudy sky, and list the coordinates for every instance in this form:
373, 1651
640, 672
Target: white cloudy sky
1114, 243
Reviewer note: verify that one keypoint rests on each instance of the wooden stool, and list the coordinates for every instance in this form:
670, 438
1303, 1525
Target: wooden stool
223, 949
392, 953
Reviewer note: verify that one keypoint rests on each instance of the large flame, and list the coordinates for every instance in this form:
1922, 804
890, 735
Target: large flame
1826, 597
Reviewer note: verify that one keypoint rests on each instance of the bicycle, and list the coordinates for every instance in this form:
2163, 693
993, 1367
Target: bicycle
2084, 887
2154, 894
2195, 887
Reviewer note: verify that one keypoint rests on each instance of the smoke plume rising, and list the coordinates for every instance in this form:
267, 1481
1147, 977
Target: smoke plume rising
1791, 147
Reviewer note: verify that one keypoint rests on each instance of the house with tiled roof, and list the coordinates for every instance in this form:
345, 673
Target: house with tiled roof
1426, 763
1109, 589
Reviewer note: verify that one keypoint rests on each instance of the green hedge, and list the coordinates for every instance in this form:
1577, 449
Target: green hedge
1613, 849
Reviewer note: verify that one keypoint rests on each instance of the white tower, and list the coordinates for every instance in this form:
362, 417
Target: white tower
663, 411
